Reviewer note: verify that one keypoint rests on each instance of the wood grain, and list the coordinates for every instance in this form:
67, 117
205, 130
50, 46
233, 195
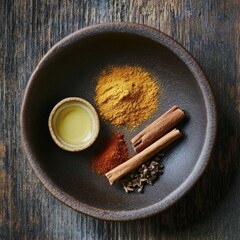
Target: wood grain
210, 30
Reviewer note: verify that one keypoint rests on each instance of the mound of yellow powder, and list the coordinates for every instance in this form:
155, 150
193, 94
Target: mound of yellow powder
126, 95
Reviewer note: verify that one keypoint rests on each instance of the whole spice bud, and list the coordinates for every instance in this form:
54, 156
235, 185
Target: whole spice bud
146, 174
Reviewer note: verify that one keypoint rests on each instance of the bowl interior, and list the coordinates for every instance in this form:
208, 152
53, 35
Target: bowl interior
72, 72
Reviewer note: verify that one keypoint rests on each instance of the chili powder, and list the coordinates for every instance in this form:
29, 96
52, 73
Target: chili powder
113, 154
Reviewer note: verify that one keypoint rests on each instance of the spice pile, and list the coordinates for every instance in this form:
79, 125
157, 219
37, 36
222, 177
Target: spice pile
126, 95
114, 153
148, 173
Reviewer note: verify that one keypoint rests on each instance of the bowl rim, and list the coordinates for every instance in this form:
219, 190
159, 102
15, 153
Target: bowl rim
203, 160
95, 120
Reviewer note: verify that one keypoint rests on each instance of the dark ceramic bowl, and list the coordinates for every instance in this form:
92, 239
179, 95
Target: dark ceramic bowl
69, 69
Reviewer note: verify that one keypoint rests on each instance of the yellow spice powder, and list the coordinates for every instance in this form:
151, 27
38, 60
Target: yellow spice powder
126, 95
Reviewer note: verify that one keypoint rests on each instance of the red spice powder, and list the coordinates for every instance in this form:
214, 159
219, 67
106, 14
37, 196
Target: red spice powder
114, 153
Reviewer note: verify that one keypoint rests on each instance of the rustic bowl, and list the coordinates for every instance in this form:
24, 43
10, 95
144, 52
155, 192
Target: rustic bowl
70, 69
95, 122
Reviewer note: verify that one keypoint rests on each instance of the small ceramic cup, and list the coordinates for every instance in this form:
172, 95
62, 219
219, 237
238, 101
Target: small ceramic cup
62, 110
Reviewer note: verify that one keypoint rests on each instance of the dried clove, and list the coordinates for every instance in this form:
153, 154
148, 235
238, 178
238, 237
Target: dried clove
148, 173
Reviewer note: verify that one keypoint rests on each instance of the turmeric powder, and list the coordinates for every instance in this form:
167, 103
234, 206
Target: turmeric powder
126, 95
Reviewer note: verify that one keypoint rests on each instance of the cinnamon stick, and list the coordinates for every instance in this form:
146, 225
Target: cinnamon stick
158, 128
141, 157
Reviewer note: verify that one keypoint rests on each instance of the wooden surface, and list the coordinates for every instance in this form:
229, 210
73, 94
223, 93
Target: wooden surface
210, 30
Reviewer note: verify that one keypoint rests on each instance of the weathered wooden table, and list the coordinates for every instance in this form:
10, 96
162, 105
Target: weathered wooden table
210, 30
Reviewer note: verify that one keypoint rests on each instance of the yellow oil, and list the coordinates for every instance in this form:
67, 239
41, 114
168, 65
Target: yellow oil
74, 124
